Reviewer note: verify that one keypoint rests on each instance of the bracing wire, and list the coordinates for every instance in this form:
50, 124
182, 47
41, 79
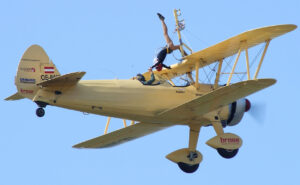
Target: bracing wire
255, 58
194, 35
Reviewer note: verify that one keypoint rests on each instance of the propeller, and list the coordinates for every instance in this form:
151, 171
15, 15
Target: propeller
256, 110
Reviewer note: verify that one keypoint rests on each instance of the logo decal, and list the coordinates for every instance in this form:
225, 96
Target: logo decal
28, 69
49, 69
26, 91
27, 80
229, 140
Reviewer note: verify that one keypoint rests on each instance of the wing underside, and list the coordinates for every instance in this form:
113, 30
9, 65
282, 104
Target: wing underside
122, 135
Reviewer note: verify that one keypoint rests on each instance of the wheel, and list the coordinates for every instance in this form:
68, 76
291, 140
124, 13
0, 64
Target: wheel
227, 153
40, 112
187, 168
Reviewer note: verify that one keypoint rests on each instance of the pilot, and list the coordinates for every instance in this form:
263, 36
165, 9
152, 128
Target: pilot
169, 48
141, 78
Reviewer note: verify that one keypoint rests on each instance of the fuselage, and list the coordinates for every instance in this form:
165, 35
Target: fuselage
128, 99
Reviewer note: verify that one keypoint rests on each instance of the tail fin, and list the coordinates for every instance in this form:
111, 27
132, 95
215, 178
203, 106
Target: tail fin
34, 67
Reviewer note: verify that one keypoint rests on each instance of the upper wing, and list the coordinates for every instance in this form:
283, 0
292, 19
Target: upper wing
225, 49
215, 99
122, 135
64, 80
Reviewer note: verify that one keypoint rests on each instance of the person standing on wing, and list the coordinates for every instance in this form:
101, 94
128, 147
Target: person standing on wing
169, 48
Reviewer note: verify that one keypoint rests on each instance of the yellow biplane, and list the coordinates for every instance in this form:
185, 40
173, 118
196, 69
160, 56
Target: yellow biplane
155, 107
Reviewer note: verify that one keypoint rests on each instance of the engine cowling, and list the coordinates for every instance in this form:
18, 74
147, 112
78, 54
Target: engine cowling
237, 110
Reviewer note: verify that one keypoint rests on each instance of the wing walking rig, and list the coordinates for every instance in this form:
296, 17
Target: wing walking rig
156, 107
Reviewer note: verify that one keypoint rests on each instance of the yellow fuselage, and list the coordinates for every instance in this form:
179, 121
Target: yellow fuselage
127, 99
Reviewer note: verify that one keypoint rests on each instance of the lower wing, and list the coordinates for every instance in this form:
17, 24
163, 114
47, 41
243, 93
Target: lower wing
122, 135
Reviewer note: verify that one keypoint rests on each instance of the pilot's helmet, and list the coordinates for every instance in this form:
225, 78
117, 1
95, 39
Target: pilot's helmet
140, 77
159, 67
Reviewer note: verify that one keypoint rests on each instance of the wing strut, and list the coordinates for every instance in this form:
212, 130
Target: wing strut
233, 68
262, 58
108, 122
218, 74
247, 62
244, 46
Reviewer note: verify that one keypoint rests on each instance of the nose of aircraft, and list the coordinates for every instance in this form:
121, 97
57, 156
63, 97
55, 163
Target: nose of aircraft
248, 105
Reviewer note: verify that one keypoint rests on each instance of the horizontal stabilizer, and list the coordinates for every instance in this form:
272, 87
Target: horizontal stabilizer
15, 96
216, 99
121, 136
64, 80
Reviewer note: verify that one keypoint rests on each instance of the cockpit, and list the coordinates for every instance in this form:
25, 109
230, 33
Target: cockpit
155, 79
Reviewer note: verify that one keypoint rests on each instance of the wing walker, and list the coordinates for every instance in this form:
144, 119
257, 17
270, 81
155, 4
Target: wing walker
151, 108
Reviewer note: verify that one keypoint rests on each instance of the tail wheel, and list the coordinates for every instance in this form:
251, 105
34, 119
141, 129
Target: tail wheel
227, 153
40, 112
187, 168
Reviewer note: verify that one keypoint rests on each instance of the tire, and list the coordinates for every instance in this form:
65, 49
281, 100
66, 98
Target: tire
187, 168
40, 112
227, 153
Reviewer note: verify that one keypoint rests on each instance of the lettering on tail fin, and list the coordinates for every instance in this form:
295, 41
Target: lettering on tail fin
48, 77
27, 69
26, 91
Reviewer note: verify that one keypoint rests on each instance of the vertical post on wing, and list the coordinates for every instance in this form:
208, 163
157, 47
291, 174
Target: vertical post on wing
197, 74
171, 82
124, 121
233, 68
178, 32
218, 74
180, 26
132, 122
262, 58
107, 124
247, 61
189, 74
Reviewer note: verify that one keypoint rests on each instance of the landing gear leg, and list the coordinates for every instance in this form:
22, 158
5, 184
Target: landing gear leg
226, 153
193, 155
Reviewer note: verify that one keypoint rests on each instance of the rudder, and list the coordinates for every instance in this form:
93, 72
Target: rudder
34, 67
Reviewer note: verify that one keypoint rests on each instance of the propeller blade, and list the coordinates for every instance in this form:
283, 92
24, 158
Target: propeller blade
258, 111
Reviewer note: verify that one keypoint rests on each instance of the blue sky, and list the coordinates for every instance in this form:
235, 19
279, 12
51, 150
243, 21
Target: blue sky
118, 39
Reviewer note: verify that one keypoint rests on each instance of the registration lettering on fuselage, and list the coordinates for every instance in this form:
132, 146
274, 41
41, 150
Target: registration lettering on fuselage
48, 77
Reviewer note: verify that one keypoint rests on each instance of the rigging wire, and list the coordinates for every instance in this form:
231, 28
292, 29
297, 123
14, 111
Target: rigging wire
203, 69
194, 35
255, 58
187, 41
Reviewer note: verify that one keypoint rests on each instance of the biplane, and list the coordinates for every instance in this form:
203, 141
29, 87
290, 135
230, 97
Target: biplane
151, 108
